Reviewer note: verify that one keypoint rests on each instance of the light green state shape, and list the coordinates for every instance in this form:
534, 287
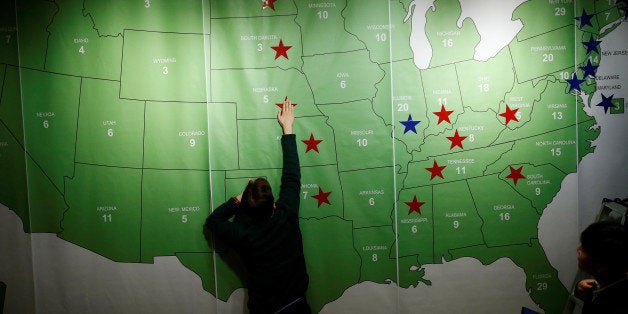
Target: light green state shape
145, 78
369, 195
41, 213
503, 226
332, 268
531, 64
407, 97
260, 90
111, 18
33, 17
557, 148
542, 280
114, 234
525, 98
167, 227
459, 165
263, 149
480, 127
607, 15
165, 146
539, 16
342, 77
587, 132
110, 129
375, 245
8, 31
93, 58
440, 86
541, 185
369, 21
327, 179
421, 241
451, 199
225, 9
319, 28
237, 45
450, 48
50, 111
223, 134
484, 83
358, 136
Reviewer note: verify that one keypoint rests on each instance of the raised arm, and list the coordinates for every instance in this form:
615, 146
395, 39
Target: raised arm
291, 174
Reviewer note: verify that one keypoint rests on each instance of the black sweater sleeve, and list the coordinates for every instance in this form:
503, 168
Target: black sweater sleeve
218, 223
291, 175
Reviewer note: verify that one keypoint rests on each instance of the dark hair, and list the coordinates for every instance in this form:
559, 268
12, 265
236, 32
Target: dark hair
257, 199
606, 243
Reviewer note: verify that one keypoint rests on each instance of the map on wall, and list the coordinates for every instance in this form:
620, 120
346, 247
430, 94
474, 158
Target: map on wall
426, 131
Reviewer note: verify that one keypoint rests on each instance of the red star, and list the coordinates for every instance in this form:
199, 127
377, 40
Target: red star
268, 4
436, 170
515, 174
415, 206
509, 114
281, 50
281, 105
311, 143
443, 115
322, 197
456, 140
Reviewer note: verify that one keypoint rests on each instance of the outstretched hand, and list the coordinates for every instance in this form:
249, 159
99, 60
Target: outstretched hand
286, 116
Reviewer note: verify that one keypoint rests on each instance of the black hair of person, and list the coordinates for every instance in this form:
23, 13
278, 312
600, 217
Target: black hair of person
257, 199
606, 243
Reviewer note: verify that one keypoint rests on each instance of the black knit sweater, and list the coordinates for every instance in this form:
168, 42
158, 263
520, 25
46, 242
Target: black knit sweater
272, 248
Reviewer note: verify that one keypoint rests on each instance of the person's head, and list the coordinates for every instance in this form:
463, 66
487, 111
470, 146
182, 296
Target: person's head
604, 249
257, 199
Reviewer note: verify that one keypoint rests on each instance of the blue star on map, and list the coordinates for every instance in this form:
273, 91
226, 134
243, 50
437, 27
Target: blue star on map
585, 19
410, 125
607, 102
574, 83
592, 45
589, 69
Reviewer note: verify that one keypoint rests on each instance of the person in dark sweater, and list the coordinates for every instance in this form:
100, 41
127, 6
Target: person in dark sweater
266, 233
603, 253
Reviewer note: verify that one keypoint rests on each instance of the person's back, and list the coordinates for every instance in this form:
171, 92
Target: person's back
266, 234
603, 254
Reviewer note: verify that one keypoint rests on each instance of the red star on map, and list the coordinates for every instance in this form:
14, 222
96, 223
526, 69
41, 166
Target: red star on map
443, 115
456, 140
268, 4
322, 197
415, 206
281, 105
510, 114
281, 50
311, 143
515, 174
436, 170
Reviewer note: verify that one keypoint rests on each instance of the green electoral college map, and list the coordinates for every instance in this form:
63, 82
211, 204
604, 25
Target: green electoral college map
123, 123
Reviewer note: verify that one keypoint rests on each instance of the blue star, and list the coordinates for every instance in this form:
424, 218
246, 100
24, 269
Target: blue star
589, 69
574, 83
592, 44
607, 102
410, 125
585, 19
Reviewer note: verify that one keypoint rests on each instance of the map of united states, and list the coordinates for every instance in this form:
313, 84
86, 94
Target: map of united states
135, 127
